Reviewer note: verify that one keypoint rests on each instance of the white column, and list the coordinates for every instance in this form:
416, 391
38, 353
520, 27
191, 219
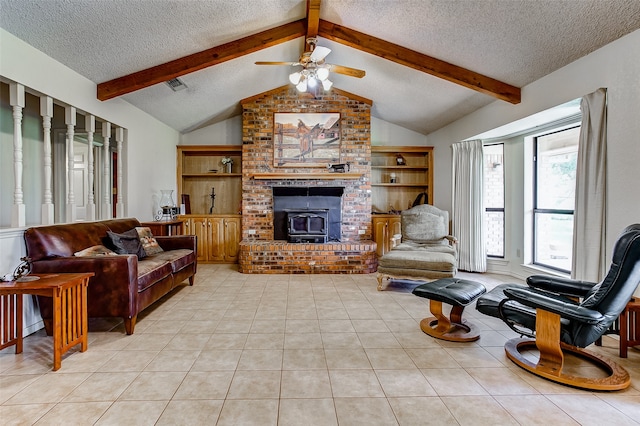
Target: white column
16, 99
46, 111
119, 199
106, 203
70, 121
90, 127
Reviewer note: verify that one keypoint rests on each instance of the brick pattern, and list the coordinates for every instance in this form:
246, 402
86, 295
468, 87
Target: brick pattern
278, 257
257, 157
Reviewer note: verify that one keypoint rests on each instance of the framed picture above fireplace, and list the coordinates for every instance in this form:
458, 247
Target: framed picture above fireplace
306, 139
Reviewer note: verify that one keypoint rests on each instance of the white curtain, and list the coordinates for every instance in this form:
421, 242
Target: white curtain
468, 205
589, 222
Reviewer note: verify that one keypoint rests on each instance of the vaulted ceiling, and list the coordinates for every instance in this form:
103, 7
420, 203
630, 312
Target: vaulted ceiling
427, 62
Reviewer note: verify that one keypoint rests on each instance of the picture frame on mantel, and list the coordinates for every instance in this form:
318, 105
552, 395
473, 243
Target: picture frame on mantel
306, 139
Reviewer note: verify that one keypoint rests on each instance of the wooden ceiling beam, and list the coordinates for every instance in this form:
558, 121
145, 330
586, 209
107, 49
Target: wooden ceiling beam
419, 61
201, 60
313, 17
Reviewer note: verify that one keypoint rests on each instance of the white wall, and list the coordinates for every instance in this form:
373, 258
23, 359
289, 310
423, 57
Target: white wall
615, 67
227, 132
384, 133
150, 157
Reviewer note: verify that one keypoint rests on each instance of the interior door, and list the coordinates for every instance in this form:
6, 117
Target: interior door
81, 178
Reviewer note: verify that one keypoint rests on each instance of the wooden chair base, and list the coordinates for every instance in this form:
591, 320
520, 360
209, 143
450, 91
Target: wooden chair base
550, 367
452, 332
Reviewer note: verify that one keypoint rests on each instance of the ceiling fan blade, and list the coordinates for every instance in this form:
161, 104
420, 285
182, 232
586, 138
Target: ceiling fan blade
351, 72
319, 53
277, 63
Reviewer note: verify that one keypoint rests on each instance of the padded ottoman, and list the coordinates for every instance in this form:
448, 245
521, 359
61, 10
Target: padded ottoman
458, 293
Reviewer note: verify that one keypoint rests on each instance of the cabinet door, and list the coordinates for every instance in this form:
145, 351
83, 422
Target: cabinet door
380, 225
395, 227
232, 239
216, 242
384, 228
199, 226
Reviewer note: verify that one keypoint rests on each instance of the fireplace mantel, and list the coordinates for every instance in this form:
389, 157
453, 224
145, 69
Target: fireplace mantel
302, 176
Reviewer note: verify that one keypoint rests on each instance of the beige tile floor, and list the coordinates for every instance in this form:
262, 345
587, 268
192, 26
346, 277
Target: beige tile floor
240, 349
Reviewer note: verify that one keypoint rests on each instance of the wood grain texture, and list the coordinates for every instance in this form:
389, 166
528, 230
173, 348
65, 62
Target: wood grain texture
197, 61
419, 61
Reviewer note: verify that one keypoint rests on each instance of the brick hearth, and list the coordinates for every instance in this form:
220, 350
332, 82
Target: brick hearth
259, 252
278, 257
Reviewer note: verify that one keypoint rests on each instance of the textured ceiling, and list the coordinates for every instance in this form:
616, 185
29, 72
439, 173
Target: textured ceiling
512, 41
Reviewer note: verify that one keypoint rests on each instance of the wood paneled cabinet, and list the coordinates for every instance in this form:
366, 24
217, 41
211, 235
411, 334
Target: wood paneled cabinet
399, 174
200, 173
385, 226
218, 236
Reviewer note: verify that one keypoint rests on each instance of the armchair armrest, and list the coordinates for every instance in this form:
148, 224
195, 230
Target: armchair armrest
560, 305
452, 240
563, 286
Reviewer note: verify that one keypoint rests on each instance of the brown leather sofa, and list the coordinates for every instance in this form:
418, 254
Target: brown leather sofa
123, 285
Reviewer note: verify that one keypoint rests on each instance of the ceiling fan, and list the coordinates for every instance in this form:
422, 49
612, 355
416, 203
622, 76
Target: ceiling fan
314, 69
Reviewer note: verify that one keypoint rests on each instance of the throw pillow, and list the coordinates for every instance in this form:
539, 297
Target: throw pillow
149, 243
126, 243
98, 250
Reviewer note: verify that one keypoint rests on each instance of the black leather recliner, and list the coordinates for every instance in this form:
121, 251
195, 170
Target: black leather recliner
564, 314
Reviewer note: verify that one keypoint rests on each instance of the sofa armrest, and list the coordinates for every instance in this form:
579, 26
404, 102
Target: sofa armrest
174, 242
113, 291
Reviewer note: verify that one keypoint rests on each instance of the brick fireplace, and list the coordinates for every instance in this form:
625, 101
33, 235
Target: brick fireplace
352, 251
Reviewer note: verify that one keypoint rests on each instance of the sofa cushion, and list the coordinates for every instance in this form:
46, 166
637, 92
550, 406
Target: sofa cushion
178, 258
126, 243
149, 243
120, 225
416, 259
97, 250
441, 247
151, 270
47, 242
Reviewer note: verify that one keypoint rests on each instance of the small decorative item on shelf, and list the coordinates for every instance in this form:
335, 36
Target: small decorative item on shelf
339, 168
227, 162
393, 178
168, 209
400, 161
213, 199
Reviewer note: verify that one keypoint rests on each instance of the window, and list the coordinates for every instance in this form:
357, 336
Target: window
494, 198
555, 157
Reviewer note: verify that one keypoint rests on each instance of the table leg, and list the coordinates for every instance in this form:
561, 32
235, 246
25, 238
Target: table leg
19, 300
82, 315
57, 330
11, 321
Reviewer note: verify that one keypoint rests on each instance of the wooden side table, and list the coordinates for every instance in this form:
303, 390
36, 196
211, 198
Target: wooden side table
165, 227
630, 326
70, 323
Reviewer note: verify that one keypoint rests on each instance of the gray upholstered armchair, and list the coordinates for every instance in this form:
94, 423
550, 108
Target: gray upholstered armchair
426, 252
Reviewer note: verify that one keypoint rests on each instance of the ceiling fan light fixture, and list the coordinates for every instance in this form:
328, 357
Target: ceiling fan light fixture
295, 77
322, 74
302, 86
312, 82
326, 84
